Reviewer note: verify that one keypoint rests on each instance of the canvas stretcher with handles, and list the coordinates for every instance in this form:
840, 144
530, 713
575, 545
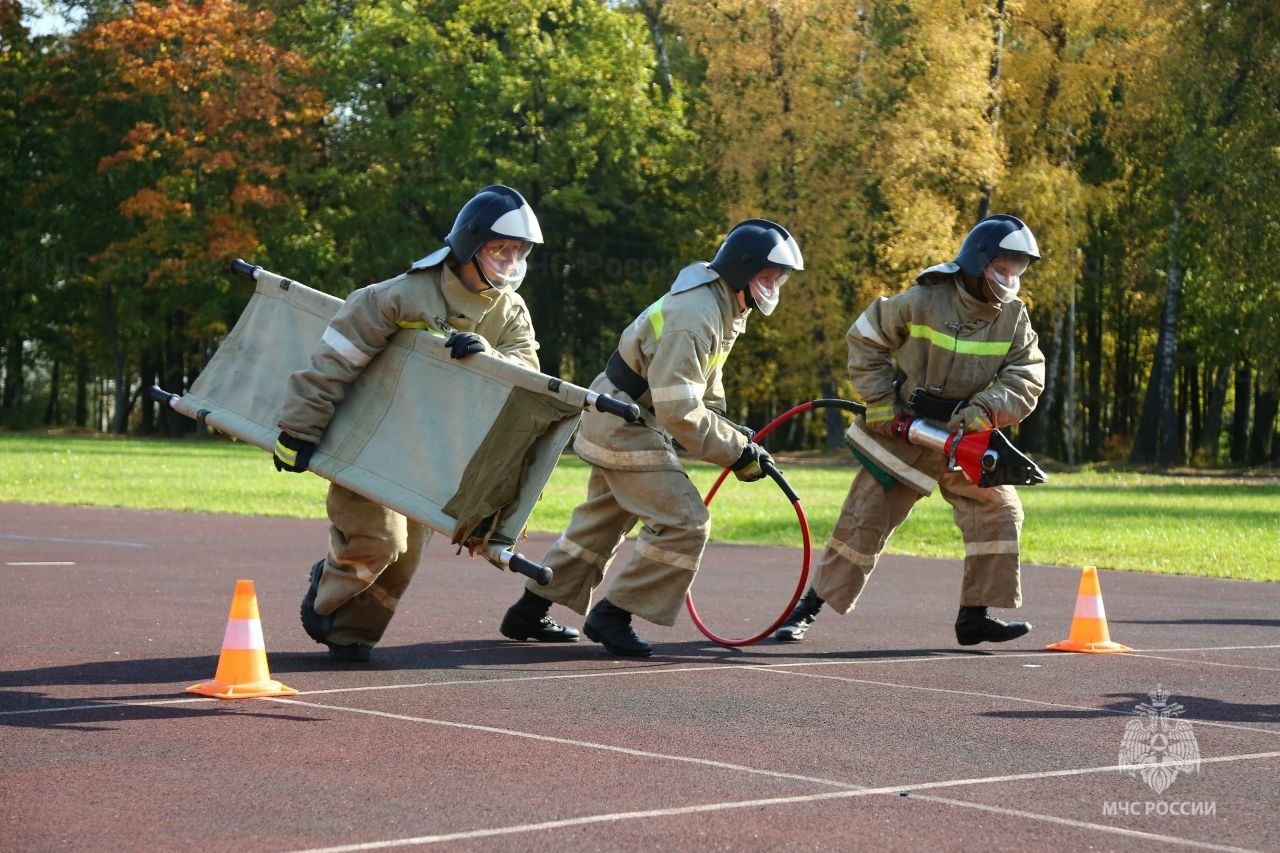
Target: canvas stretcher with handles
462, 446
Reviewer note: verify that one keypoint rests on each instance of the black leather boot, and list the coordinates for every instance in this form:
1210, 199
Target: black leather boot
318, 627
527, 619
610, 626
974, 626
806, 610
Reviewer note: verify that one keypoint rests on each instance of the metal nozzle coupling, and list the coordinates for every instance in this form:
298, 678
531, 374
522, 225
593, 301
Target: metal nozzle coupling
920, 431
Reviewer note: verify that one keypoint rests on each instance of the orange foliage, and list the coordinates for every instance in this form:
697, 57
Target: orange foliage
227, 236
226, 110
148, 203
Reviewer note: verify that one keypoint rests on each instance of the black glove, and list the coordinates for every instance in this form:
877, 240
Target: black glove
750, 465
293, 454
462, 344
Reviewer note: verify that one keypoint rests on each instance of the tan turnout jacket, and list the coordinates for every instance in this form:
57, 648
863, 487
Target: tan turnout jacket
679, 345
371, 315
952, 345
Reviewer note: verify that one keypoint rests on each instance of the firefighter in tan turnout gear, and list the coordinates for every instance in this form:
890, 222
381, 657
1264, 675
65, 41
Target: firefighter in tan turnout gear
957, 348
471, 283
669, 361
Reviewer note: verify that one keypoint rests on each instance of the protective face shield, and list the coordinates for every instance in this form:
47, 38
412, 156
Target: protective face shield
1004, 275
765, 288
752, 246
996, 235
495, 213
502, 263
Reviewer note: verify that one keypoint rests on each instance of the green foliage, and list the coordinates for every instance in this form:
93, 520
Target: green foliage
39, 302
557, 99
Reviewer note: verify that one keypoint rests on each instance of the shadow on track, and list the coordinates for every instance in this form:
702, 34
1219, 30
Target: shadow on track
1194, 708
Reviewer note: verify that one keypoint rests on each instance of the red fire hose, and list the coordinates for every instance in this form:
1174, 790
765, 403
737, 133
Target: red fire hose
777, 477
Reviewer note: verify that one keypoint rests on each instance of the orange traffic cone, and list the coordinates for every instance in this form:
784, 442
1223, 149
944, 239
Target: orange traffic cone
1089, 632
242, 667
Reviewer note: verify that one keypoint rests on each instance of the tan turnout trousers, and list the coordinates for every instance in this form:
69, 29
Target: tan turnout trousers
668, 548
373, 554
990, 520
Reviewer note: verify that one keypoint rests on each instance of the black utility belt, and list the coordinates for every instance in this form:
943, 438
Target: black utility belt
626, 379
933, 407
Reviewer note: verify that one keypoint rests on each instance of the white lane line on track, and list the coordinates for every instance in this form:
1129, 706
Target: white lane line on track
1205, 662
39, 563
1211, 649
105, 703
981, 695
624, 750
458, 682
65, 541
651, 670
850, 792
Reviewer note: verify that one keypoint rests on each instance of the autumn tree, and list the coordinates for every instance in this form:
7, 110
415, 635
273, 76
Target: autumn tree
788, 96
221, 119
1062, 60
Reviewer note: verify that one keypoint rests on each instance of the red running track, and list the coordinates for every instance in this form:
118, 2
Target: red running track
876, 732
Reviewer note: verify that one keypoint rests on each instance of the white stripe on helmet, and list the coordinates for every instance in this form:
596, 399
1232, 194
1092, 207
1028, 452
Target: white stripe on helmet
1021, 240
787, 254
520, 224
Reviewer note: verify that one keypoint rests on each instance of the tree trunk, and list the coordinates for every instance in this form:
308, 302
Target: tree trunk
1193, 403
997, 13
1069, 374
652, 10
1211, 435
1035, 433
832, 418
1182, 408
83, 378
148, 377
778, 76
1127, 370
11, 394
1159, 419
120, 395
173, 369
1093, 392
51, 411
1240, 419
1265, 405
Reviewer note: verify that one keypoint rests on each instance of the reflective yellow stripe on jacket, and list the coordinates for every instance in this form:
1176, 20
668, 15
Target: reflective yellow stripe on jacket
950, 343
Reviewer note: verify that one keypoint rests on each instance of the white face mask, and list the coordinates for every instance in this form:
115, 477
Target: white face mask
1004, 276
503, 262
765, 288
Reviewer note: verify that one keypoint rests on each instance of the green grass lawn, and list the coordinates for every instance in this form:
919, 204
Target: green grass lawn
1212, 525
